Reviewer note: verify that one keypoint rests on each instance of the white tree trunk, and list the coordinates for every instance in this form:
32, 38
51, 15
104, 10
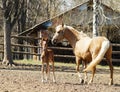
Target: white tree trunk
95, 18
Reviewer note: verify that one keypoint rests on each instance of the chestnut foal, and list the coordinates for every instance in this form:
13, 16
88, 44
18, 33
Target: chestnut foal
47, 57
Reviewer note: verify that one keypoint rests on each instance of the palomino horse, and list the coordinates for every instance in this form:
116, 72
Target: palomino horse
47, 57
86, 49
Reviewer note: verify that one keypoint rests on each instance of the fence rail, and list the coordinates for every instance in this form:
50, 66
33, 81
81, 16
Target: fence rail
56, 55
29, 52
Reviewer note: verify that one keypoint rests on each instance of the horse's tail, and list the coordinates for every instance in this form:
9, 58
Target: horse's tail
105, 46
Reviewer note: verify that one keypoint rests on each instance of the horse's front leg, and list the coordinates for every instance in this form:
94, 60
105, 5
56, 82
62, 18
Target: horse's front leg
78, 60
85, 73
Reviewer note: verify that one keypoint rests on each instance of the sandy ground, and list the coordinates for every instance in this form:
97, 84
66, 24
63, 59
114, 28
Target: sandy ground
29, 80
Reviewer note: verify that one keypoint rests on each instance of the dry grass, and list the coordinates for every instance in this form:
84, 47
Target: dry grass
58, 64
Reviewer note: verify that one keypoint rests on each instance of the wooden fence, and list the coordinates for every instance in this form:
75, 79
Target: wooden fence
27, 50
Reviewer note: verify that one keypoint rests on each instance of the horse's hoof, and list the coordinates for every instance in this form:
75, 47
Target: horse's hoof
85, 82
110, 84
42, 81
81, 81
54, 81
90, 82
84, 70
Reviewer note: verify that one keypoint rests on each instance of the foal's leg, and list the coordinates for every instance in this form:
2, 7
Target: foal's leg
53, 70
47, 71
78, 60
42, 70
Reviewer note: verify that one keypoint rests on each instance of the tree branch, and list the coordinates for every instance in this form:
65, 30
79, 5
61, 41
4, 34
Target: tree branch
18, 10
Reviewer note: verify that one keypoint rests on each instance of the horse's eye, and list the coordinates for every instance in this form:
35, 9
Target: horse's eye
58, 32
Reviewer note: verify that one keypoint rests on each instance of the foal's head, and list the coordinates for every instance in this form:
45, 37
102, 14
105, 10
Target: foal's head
59, 34
44, 44
44, 35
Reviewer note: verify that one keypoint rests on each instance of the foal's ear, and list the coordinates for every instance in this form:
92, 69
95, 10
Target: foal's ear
62, 24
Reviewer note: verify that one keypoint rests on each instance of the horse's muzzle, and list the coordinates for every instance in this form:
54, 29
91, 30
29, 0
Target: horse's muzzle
54, 41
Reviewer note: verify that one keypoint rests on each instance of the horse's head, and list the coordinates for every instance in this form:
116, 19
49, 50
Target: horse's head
59, 34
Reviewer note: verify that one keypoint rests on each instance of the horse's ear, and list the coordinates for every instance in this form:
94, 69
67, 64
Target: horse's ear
81, 31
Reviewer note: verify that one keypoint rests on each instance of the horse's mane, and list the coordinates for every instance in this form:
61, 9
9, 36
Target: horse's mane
76, 32
83, 34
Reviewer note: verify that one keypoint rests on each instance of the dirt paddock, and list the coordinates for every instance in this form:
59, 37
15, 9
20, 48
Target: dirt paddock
29, 80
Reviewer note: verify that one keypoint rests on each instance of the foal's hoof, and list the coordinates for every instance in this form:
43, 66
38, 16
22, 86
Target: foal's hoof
54, 81
81, 81
44, 81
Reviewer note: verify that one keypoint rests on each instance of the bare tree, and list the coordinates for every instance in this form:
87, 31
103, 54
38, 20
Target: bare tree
21, 26
11, 13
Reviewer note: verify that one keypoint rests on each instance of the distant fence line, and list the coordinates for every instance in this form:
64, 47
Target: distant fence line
29, 53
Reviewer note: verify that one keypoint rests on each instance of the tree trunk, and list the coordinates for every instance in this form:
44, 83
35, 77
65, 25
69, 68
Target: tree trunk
7, 43
12, 10
95, 17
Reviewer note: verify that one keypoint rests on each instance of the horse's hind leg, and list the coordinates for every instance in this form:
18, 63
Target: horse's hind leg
109, 61
108, 57
93, 73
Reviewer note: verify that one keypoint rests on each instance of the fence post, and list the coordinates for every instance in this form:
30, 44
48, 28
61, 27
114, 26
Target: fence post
39, 43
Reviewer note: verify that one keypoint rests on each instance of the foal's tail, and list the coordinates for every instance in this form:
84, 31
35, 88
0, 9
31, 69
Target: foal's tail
105, 46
